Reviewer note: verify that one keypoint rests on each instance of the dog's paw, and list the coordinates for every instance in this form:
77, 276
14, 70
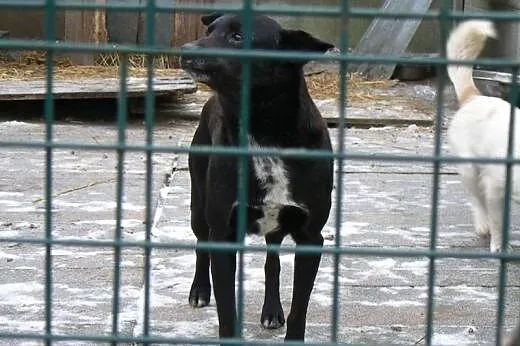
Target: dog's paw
272, 317
482, 229
495, 248
199, 296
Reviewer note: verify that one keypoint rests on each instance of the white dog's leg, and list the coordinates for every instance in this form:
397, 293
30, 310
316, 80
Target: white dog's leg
470, 176
480, 217
496, 214
495, 208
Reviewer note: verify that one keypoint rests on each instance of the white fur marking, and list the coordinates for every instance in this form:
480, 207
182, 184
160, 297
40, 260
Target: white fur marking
272, 176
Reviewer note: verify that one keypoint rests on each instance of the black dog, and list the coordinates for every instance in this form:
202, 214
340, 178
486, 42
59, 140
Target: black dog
286, 196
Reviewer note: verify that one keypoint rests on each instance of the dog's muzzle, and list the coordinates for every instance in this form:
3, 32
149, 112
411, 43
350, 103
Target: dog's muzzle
187, 61
196, 66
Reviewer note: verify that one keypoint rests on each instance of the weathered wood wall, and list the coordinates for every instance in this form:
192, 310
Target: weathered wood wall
172, 29
187, 25
88, 26
28, 23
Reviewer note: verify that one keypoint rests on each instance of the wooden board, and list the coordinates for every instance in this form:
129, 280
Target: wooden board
389, 36
378, 114
11, 90
495, 83
164, 25
495, 76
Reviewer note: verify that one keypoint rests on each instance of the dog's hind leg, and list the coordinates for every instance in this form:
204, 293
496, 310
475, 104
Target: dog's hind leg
305, 270
495, 208
272, 312
496, 214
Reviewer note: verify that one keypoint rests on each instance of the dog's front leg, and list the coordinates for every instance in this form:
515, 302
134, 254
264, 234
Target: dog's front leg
272, 312
305, 270
223, 267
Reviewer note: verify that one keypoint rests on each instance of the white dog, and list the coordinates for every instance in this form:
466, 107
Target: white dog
480, 129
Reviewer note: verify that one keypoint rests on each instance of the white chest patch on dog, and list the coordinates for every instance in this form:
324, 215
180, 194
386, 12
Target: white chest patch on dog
272, 177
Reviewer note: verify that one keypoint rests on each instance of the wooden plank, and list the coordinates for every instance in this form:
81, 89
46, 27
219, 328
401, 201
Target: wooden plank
94, 88
187, 26
123, 27
380, 113
494, 83
458, 5
164, 26
80, 26
495, 76
389, 36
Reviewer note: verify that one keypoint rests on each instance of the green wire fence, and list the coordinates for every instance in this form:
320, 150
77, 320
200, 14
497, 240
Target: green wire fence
445, 16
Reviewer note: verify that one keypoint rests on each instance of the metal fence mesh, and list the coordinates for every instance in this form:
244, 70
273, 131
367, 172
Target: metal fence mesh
445, 16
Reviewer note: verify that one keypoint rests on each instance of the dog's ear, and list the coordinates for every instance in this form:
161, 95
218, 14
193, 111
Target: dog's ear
301, 40
210, 18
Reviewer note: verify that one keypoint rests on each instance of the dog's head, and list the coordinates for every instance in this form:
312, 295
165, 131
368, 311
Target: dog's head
226, 31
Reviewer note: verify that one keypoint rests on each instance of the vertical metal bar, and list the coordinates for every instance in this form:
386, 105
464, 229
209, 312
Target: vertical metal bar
502, 280
345, 11
151, 9
243, 164
444, 21
50, 34
122, 110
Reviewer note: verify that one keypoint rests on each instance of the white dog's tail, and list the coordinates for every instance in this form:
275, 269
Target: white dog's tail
466, 43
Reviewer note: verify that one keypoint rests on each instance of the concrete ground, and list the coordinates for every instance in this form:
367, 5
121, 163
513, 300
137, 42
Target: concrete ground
385, 205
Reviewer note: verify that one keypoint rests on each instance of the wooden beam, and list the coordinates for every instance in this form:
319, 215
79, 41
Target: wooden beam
389, 36
99, 88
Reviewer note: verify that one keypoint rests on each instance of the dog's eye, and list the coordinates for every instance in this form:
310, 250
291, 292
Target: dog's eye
237, 37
